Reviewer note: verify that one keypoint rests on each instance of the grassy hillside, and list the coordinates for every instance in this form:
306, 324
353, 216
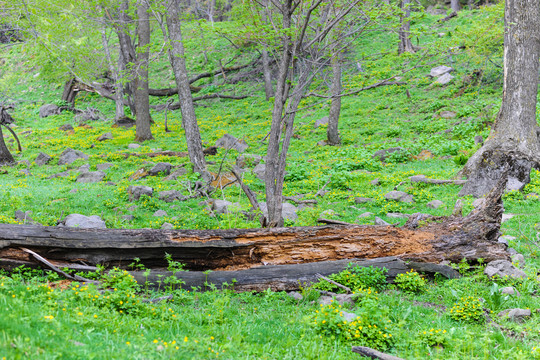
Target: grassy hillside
435, 125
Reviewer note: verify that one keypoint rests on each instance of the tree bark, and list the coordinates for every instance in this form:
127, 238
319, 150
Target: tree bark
335, 106
267, 73
455, 5
178, 63
126, 56
142, 97
5, 156
512, 147
405, 44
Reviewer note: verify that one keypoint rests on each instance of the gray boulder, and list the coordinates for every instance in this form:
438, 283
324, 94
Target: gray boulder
159, 168
288, 212
222, 206
135, 192
91, 177
341, 299
171, 195
399, 196
69, 156
167, 226
259, 171
440, 70
505, 239
514, 184
160, 213
518, 259
295, 295
60, 174
133, 146
384, 153
509, 290
89, 114
106, 136
362, 200
128, 217
84, 222
84, 168
321, 121
49, 110
435, 204
379, 221
502, 269
516, 315
365, 215
478, 140
176, 174
444, 79
228, 141
104, 166
42, 159
24, 216
246, 160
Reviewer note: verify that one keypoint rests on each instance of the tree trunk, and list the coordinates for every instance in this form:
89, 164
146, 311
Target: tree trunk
5, 156
512, 147
335, 107
127, 56
70, 93
405, 44
189, 119
267, 72
455, 5
142, 98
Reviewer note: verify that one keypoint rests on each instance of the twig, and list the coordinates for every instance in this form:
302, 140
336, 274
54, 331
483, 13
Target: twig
320, 192
348, 290
15, 136
334, 222
373, 354
45, 262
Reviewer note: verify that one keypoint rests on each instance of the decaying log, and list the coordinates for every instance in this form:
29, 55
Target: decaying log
373, 354
275, 257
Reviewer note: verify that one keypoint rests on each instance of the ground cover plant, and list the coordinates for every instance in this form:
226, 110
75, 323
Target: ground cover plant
44, 316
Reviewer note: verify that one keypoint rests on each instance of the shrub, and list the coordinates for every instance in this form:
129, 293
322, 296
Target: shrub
433, 337
356, 278
411, 282
468, 309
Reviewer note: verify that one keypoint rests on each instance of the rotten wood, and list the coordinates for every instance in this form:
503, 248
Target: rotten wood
373, 354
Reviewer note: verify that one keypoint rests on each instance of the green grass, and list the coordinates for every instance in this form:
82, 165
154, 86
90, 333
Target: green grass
203, 324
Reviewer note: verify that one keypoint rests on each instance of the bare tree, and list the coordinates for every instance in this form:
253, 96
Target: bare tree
332, 132
405, 44
513, 146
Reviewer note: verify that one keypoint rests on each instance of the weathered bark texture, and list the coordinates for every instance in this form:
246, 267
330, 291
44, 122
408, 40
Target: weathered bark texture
455, 5
5, 155
276, 257
126, 55
335, 107
70, 91
142, 98
267, 73
189, 119
512, 147
405, 44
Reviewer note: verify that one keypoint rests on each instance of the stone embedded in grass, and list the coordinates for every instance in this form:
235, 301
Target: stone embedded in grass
259, 171
444, 79
321, 121
133, 146
503, 269
106, 136
49, 110
514, 184
42, 159
60, 174
288, 212
66, 127
176, 174
400, 196
69, 155
139, 174
381, 222
440, 70
447, 114
84, 168
91, 177
328, 213
167, 226
24, 216
222, 206
506, 238
135, 192
435, 204
384, 153
397, 215
295, 295
362, 200
341, 299
160, 213
228, 141
245, 160
516, 315
518, 259
365, 215
159, 168
84, 222
104, 166
509, 290
478, 140
506, 217
375, 182
128, 217
171, 195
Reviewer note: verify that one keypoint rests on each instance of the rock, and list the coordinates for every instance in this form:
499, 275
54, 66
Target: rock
383, 154
506, 217
69, 156
478, 202
444, 79
84, 222
160, 168
322, 143
42, 159
26, 172
362, 200
66, 127
328, 213
397, 215
160, 213
124, 122
379, 221
24, 162
417, 178
321, 121
167, 226
399, 196
341, 299
288, 212
135, 192
435, 204
447, 114
128, 217
518, 259
49, 110
24, 216
104, 166
133, 146
365, 215
516, 315
89, 114
259, 171
106, 136
505, 239
511, 251
478, 140
170, 196
349, 316
60, 174
176, 174
84, 168
509, 290
138, 175
221, 206
228, 141
295, 295
440, 70
502, 269
375, 182
248, 160
91, 177
514, 184
133, 208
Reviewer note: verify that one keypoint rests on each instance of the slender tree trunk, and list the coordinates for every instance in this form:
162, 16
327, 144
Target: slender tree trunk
142, 98
455, 5
267, 72
335, 107
405, 44
178, 63
127, 57
5, 156
512, 147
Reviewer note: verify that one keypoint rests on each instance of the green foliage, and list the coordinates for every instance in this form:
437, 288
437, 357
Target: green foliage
468, 309
356, 278
411, 281
433, 337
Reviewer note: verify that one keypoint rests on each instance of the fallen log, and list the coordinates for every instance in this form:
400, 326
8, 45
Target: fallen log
275, 257
373, 354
